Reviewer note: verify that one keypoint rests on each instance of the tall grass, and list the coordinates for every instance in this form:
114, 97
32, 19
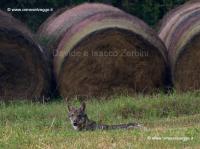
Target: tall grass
45, 125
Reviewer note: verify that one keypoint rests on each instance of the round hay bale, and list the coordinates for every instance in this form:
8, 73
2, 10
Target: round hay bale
51, 31
101, 51
180, 31
23, 69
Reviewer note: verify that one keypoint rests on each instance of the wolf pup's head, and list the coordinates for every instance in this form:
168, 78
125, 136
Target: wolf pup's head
77, 116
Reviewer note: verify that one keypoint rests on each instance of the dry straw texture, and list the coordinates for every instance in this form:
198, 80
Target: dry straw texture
101, 51
23, 69
180, 30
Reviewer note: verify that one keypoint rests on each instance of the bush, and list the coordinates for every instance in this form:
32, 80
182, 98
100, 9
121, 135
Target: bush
148, 10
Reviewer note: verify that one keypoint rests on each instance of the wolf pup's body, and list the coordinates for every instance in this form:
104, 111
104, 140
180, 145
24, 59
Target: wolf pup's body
80, 121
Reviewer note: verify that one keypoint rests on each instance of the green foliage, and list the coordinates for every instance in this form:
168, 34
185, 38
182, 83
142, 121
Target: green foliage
33, 19
151, 11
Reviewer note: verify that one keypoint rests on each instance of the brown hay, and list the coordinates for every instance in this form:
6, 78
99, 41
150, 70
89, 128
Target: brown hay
180, 31
23, 69
82, 64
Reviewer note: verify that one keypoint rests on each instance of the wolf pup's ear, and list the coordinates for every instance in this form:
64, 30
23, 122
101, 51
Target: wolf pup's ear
69, 107
82, 106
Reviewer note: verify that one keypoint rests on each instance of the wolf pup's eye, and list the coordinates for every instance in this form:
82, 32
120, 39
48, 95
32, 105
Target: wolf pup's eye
70, 115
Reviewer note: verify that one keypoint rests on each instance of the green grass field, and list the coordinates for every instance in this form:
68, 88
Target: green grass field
170, 121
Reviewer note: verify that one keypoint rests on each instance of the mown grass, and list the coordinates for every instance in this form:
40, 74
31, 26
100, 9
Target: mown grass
37, 125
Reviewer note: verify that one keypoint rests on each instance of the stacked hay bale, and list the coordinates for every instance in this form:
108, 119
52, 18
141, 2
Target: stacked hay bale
100, 51
23, 69
180, 31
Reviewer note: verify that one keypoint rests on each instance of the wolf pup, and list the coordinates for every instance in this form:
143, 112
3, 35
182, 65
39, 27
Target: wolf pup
80, 121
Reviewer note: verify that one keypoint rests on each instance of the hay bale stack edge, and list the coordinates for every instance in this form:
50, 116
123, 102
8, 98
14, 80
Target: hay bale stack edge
24, 72
180, 31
